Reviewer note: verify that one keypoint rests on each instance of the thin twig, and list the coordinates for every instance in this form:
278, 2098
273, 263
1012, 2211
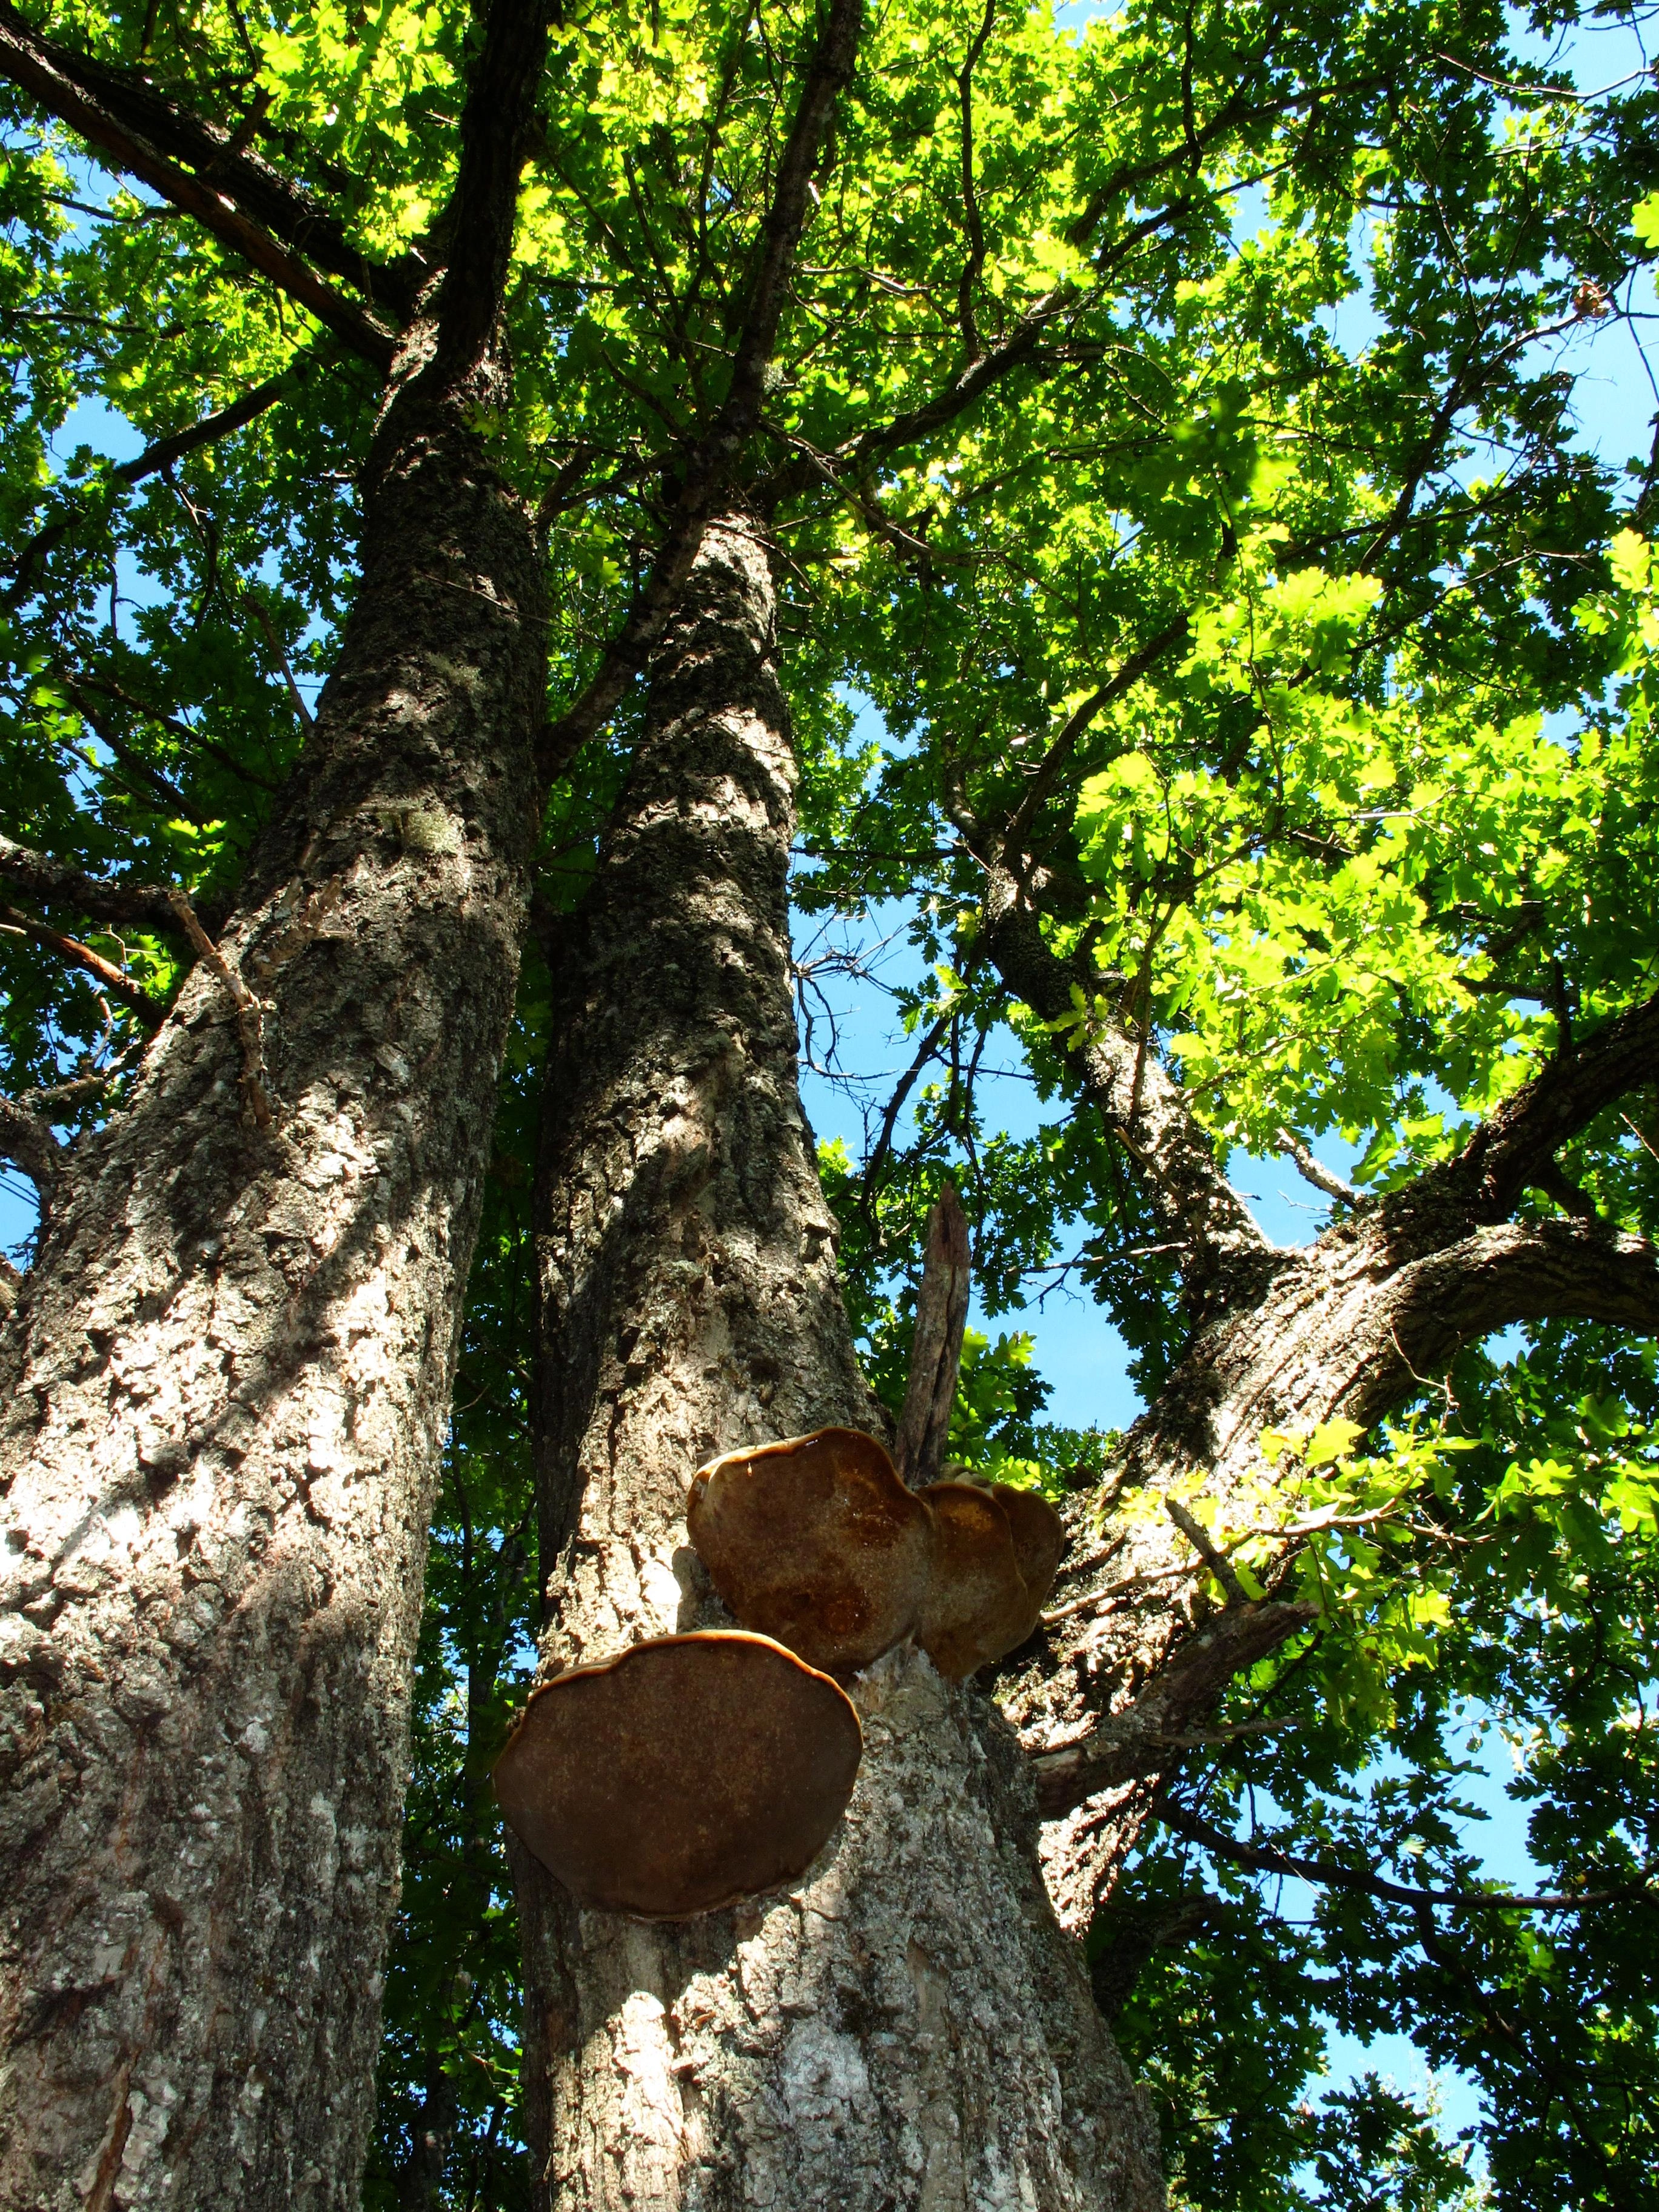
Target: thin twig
162, 454
1261, 1859
884, 1141
1217, 1563
1059, 752
1130, 1582
132, 995
261, 614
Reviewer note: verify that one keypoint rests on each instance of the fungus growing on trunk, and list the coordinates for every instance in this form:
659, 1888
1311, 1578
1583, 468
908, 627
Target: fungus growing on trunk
980, 1603
818, 1542
684, 1774
1039, 1536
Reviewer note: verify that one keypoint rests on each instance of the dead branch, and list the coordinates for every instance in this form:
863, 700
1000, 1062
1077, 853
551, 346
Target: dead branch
884, 1144
936, 1352
249, 1013
262, 615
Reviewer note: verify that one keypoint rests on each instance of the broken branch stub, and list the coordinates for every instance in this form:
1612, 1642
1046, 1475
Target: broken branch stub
685, 1774
816, 1542
936, 1349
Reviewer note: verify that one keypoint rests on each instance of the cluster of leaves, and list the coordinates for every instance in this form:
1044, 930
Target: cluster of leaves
1435, 855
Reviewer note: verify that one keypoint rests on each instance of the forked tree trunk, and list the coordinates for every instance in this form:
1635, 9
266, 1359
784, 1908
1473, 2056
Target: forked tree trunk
1140, 1648
905, 2026
226, 1391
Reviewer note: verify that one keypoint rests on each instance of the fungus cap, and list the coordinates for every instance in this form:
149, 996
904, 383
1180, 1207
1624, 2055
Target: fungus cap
816, 1542
1039, 1536
978, 1606
684, 1774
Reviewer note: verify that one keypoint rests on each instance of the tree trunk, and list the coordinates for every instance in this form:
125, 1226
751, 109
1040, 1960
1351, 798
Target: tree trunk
905, 2026
226, 1393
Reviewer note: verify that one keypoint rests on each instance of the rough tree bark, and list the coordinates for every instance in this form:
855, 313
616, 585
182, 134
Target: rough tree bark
226, 1382
906, 2026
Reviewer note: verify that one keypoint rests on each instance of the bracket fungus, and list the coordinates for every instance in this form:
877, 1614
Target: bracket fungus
1039, 1536
818, 1542
979, 1604
684, 1774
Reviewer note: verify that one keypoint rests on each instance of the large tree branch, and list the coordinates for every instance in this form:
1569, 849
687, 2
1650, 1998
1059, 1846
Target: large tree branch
709, 464
1366, 1319
1517, 1143
951, 400
1505, 1272
39, 69
963, 391
280, 204
495, 124
147, 906
1121, 1077
1130, 1670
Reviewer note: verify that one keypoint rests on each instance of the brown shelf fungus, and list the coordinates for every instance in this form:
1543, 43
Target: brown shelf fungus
685, 1774
818, 1542
998, 1549
1039, 1536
